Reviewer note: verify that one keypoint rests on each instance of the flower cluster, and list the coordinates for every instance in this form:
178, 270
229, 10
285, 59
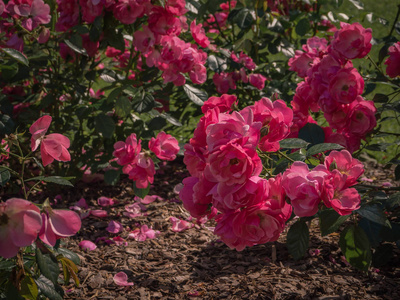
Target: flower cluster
224, 166
334, 86
329, 183
21, 222
138, 164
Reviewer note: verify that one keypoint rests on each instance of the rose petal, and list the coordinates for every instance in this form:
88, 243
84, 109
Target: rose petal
121, 279
87, 245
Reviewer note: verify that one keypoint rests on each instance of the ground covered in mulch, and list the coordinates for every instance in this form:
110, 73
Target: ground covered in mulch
194, 264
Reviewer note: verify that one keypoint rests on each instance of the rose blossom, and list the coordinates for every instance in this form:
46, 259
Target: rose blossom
142, 172
198, 34
20, 223
393, 61
346, 85
127, 152
164, 146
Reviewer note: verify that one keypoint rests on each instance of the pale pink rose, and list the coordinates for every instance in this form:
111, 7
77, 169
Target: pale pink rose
224, 103
32, 12
53, 146
143, 171
199, 34
121, 279
393, 61
114, 227
127, 152
350, 168
352, 40
198, 74
87, 245
164, 146
304, 187
144, 40
179, 225
257, 80
105, 201
58, 223
232, 164
346, 85
360, 119
19, 226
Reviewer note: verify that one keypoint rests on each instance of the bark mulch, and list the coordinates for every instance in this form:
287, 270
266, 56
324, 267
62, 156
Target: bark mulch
194, 264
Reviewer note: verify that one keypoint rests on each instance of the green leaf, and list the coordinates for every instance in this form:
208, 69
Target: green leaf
123, 107
171, 119
157, 123
303, 26
70, 255
105, 125
144, 103
75, 43
48, 265
141, 193
216, 64
355, 246
312, 133
53, 179
196, 95
29, 289
380, 98
293, 143
113, 94
47, 288
4, 176
7, 265
374, 213
111, 177
244, 18
319, 148
393, 201
372, 230
298, 239
330, 221
358, 4
18, 56
6, 125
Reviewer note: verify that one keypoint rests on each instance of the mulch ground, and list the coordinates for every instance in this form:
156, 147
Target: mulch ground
194, 264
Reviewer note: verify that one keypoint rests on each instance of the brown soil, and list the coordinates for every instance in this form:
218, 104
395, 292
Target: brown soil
194, 264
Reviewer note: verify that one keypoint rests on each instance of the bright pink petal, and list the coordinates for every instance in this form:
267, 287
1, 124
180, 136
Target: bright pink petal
121, 279
87, 245
114, 227
105, 201
46, 234
38, 130
64, 222
99, 213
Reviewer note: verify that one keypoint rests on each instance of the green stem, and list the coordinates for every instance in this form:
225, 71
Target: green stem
285, 156
395, 20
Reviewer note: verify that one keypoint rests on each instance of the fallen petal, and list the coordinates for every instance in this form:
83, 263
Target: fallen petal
121, 279
87, 245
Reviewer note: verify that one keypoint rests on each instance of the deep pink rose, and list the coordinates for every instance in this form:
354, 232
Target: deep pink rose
199, 34
33, 13
223, 82
360, 119
393, 61
352, 40
127, 11
186, 194
127, 152
20, 223
164, 146
304, 187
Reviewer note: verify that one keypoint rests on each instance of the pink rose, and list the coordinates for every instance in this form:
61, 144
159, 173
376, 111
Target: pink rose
224, 103
199, 34
232, 164
393, 61
304, 187
352, 40
164, 146
127, 152
349, 168
360, 118
58, 223
186, 194
20, 223
127, 11
223, 82
257, 80
346, 85
53, 146
142, 172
